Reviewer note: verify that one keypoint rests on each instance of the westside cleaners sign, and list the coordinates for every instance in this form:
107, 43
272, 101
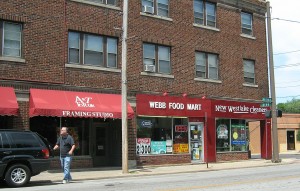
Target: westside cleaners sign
152, 105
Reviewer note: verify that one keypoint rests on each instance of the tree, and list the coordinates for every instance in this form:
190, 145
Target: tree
292, 106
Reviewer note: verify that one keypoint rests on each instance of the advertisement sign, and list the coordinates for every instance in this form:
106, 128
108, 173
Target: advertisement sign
181, 128
146, 123
158, 147
238, 134
222, 131
181, 148
196, 154
143, 146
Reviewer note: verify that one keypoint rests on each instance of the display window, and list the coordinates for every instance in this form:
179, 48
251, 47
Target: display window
231, 135
162, 135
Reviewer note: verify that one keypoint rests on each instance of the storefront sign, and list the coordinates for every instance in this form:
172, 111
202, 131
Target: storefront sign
84, 101
143, 146
181, 128
87, 114
181, 148
232, 109
158, 147
170, 106
146, 124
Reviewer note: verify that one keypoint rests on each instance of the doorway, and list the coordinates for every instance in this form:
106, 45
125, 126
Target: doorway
290, 137
196, 142
106, 143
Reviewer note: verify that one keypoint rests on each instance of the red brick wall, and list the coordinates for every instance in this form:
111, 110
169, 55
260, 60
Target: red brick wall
163, 159
77, 162
22, 120
232, 156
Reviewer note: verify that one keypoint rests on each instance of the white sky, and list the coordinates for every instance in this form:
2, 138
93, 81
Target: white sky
286, 38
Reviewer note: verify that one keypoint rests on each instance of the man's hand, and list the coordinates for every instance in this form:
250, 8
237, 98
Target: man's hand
55, 147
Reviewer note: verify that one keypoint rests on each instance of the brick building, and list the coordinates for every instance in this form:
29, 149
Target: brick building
202, 64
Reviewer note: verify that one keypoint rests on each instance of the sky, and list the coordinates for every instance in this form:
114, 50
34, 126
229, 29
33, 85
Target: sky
286, 38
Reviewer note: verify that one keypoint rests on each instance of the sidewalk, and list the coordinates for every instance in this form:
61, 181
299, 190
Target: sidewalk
106, 173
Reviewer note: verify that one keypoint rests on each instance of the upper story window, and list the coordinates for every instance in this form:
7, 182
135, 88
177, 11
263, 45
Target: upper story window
249, 71
107, 2
11, 39
204, 13
92, 50
207, 65
156, 58
247, 23
156, 7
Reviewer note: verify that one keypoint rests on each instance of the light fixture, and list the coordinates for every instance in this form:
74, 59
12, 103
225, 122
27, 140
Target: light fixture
165, 93
184, 95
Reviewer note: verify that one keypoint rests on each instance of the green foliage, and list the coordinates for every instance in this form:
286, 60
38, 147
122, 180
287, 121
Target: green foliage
292, 106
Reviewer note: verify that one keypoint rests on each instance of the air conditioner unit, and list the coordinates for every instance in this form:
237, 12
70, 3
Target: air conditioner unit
148, 9
149, 68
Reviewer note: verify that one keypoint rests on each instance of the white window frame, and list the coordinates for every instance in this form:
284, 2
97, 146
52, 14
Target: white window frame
254, 78
3, 34
251, 25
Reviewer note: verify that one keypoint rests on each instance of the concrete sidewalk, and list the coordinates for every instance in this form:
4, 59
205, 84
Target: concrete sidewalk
106, 173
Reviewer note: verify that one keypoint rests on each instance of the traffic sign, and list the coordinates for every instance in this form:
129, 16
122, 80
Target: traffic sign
267, 100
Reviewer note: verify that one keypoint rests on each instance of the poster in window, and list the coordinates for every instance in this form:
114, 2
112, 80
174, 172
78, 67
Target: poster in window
222, 131
158, 147
143, 146
180, 148
238, 134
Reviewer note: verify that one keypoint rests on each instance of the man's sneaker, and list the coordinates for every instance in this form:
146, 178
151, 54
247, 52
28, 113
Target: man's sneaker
65, 182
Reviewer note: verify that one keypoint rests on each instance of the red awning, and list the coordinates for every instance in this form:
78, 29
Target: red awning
8, 101
76, 104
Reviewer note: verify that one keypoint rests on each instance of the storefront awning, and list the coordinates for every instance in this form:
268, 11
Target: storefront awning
8, 101
76, 104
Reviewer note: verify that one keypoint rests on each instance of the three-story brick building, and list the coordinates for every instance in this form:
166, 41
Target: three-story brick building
196, 72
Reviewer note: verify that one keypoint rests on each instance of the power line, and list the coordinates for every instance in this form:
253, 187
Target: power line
287, 66
288, 96
287, 20
280, 53
289, 86
288, 82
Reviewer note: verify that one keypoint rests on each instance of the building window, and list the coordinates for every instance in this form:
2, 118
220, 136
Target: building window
231, 135
249, 71
11, 39
246, 23
156, 58
205, 13
207, 65
158, 135
92, 50
107, 2
156, 7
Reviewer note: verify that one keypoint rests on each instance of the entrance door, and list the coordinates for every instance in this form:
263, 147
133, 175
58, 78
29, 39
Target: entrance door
290, 137
196, 141
99, 144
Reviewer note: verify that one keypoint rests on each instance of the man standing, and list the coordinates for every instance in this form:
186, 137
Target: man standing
66, 145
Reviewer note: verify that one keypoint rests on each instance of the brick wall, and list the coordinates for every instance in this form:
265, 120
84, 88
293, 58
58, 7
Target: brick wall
163, 159
22, 120
77, 162
232, 156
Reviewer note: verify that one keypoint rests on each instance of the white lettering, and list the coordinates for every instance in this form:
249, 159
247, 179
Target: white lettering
87, 114
221, 108
178, 106
157, 105
196, 107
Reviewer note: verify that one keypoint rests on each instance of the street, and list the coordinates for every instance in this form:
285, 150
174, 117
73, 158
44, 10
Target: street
281, 177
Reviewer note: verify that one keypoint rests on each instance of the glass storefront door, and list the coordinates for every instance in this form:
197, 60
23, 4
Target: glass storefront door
196, 141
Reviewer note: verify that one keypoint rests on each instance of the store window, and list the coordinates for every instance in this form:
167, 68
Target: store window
158, 135
231, 135
49, 127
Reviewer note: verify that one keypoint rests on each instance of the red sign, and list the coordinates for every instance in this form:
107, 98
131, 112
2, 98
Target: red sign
242, 110
171, 106
181, 128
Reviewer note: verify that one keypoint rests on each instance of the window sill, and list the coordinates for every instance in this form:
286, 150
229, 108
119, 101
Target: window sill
156, 16
208, 80
157, 75
250, 85
93, 68
12, 59
98, 4
248, 36
206, 27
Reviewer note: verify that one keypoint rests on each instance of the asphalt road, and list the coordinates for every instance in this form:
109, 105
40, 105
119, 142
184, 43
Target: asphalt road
273, 178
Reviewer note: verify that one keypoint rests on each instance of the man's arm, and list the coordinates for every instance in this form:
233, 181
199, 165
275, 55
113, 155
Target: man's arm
72, 150
56, 147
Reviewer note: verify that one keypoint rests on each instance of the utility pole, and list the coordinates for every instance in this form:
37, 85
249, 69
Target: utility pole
275, 158
124, 90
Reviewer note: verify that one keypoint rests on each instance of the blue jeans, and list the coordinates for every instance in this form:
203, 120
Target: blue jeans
65, 165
